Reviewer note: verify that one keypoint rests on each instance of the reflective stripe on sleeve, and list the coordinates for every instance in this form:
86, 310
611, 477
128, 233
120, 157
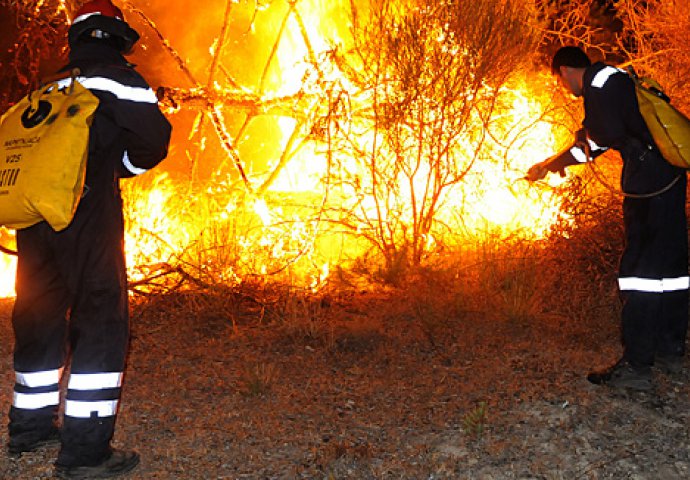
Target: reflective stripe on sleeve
578, 154
581, 156
94, 381
77, 409
34, 401
128, 165
594, 146
123, 92
603, 75
654, 285
38, 379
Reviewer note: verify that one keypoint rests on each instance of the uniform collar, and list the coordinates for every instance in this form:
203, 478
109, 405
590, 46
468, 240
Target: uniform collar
95, 54
590, 72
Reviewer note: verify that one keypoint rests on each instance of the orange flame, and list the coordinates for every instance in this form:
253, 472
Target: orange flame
8, 264
223, 234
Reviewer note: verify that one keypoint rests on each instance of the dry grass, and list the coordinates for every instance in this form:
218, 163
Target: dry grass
471, 370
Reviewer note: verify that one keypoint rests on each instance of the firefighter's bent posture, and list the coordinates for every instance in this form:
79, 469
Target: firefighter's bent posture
71, 285
653, 274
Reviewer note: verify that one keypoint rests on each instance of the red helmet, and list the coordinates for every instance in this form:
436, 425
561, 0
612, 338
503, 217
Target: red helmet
105, 18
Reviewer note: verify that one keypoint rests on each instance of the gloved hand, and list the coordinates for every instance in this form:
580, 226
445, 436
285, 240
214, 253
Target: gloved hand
537, 171
582, 140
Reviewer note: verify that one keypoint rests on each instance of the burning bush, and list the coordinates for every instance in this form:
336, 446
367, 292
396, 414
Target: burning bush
431, 79
305, 144
391, 145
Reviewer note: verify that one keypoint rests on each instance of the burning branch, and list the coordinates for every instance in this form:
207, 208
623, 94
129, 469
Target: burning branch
210, 98
7, 251
228, 146
40, 26
163, 40
434, 73
653, 38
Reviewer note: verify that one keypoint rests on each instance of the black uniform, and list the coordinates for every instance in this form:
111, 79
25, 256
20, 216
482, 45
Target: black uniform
653, 274
71, 285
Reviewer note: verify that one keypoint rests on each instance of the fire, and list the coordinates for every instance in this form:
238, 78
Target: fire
500, 198
290, 215
223, 234
8, 264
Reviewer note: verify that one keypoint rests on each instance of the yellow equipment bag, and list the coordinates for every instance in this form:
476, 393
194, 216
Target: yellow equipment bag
670, 128
43, 150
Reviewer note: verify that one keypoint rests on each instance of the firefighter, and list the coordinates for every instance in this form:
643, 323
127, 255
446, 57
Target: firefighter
71, 301
653, 272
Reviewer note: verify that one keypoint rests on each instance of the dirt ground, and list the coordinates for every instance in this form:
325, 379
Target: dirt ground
366, 389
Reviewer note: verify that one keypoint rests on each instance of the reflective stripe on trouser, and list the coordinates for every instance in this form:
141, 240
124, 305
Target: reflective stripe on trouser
34, 405
71, 296
90, 411
36, 390
93, 395
40, 334
653, 277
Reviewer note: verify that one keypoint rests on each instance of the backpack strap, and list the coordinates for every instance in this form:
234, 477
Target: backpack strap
61, 75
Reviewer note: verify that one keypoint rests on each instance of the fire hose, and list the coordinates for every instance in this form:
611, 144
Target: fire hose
597, 175
619, 192
7, 251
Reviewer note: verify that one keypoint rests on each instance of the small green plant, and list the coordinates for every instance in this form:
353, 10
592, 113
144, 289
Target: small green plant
431, 296
257, 381
509, 270
304, 318
474, 421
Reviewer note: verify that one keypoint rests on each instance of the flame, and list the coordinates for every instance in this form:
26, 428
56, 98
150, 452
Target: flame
165, 224
501, 198
225, 236
219, 233
8, 264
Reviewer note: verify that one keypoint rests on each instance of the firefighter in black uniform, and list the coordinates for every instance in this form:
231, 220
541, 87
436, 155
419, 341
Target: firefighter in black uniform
653, 273
71, 285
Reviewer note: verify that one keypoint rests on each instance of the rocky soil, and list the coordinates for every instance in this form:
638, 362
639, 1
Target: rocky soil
360, 387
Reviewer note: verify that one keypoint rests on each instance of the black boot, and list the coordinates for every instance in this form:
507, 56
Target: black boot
118, 463
623, 375
16, 446
669, 364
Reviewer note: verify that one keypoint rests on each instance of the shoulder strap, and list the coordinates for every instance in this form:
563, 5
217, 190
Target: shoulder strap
61, 75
